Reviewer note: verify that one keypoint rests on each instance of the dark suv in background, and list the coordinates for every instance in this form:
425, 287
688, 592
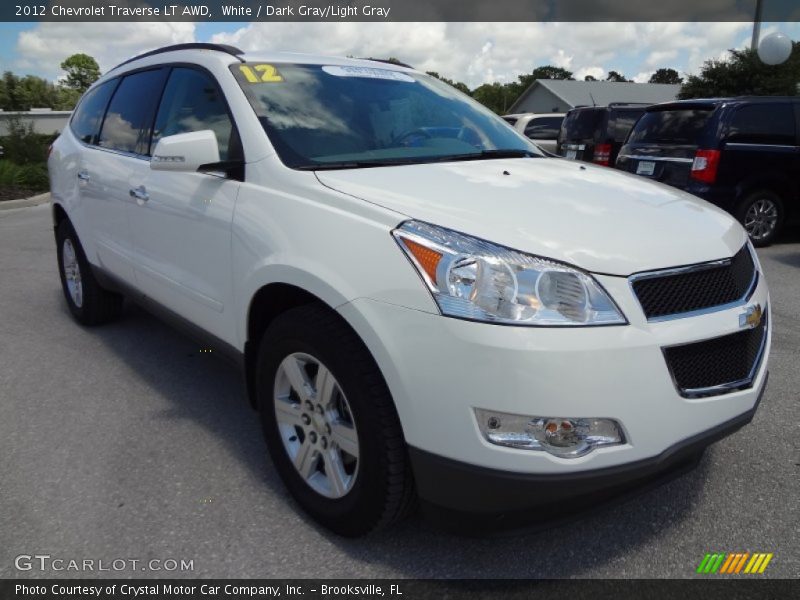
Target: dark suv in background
742, 154
596, 133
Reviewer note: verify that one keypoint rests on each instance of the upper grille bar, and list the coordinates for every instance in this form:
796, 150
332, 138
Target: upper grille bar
696, 289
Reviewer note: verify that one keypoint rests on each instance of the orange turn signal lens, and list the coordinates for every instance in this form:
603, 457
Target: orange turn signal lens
428, 259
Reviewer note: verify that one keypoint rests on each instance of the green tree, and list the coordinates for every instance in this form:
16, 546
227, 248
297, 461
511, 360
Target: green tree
23, 93
493, 96
590, 78
551, 72
666, 75
66, 98
616, 77
82, 71
743, 74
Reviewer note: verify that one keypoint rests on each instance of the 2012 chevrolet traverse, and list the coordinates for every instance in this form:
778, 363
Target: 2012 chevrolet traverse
424, 304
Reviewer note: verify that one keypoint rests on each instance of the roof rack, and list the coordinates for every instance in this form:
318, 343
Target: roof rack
232, 50
610, 104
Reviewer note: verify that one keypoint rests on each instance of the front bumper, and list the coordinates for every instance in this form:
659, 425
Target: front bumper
464, 488
440, 369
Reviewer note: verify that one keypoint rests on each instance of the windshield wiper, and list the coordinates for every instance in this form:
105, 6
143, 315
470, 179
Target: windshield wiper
498, 153
364, 164
356, 164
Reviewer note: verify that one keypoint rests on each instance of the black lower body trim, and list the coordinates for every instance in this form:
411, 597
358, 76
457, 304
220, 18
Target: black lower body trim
114, 284
492, 499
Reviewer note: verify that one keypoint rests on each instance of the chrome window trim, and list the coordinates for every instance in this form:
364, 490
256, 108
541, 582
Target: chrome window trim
143, 157
723, 388
692, 269
755, 145
674, 159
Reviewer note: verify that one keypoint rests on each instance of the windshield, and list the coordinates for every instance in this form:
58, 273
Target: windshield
320, 117
582, 124
670, 127
624, 120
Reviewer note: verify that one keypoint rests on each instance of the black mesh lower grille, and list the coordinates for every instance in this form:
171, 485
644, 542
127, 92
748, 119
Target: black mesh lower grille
706, 287
715, 362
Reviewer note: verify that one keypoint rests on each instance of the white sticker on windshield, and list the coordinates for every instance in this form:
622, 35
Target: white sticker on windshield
368, 72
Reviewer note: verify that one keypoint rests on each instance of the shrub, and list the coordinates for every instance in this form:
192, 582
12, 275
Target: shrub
28, 177
22, 146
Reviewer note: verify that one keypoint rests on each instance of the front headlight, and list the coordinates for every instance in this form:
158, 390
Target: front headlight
474, 279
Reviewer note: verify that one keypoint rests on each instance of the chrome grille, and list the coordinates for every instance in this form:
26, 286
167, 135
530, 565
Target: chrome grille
717, 365
676, 292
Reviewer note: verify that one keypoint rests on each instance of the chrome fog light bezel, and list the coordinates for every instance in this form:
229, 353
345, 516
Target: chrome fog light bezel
563, 437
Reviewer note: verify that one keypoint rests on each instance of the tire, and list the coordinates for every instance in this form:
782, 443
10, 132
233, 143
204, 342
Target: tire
352, 489
762, 214
88, 302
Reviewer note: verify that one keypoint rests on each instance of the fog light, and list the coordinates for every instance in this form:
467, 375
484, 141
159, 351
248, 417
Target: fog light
566, 437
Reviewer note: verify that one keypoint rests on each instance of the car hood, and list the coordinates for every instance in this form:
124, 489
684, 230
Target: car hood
596, 218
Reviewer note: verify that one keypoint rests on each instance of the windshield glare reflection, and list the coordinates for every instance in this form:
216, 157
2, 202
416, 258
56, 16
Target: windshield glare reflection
320, 117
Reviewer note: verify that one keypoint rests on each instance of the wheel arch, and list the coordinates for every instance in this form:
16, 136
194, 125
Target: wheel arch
780, 185
267, 303
59, 214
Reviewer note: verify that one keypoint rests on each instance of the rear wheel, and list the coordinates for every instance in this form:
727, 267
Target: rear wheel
330, 423
761, 213
88, 302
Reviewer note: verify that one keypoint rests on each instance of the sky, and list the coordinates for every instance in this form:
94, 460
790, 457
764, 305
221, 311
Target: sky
474, 53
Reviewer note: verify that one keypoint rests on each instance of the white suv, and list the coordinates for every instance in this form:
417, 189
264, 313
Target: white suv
424, 305
542, 128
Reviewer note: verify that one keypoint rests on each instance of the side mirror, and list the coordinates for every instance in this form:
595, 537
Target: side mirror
185, 151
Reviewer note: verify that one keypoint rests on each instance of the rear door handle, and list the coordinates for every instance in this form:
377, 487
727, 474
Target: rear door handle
140, 193
83, 175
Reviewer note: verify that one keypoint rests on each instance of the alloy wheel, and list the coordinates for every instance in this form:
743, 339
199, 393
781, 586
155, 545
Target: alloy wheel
72, 272
761, 218
316, 425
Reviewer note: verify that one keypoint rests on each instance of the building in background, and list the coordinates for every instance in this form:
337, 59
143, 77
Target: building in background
45, 121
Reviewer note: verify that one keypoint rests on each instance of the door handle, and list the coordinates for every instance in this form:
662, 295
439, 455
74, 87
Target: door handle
83, 175
140, 193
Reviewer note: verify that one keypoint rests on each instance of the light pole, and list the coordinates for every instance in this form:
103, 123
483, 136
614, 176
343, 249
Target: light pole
774, 49
756, 26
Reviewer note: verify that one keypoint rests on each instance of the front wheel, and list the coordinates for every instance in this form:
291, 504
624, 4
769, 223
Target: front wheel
330, 423
761, 213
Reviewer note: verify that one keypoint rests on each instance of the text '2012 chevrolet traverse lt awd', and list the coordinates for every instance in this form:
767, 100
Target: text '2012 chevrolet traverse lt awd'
424, 305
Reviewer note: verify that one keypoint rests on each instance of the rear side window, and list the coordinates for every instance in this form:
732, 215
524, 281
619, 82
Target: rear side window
624, 121
544, 128
85, 123
763, 124
130, 115
193, 102
582, 124
670, 127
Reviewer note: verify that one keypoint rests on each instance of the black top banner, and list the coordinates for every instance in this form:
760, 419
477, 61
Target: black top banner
400, 10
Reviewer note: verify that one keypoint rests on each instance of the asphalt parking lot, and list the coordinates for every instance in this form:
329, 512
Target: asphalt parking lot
127, 442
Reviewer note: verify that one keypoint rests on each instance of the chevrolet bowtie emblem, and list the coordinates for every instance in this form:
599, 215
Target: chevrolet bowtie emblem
751, 318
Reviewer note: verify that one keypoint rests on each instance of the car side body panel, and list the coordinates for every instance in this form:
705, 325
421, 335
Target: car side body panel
289, 228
